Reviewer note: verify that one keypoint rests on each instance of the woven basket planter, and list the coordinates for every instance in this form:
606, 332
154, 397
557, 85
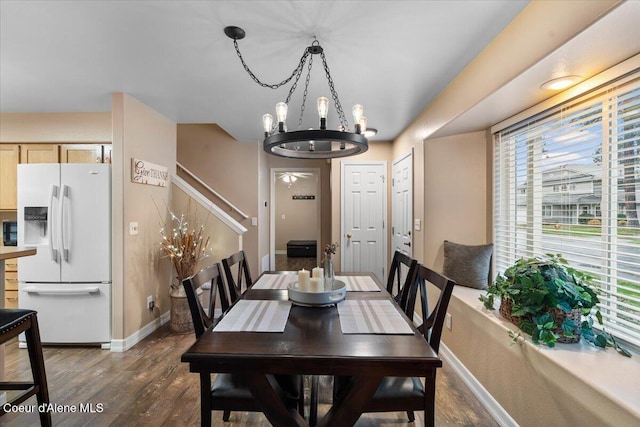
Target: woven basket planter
558, 315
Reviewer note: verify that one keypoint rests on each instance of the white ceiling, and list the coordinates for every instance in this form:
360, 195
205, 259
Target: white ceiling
393, 57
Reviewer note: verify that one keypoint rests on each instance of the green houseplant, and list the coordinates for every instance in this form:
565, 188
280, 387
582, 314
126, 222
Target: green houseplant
550, 301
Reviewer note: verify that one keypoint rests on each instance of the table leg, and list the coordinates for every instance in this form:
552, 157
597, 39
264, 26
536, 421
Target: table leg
430, 399
349, 408
205, 399
313, 401
272, 406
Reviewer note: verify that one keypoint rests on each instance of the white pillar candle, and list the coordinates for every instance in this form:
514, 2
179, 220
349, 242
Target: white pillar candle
318, 273
303, 280
316, 284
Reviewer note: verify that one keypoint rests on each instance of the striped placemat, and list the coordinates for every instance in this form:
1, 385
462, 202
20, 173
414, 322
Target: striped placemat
371, 317
275, 281
359, 283
255, 316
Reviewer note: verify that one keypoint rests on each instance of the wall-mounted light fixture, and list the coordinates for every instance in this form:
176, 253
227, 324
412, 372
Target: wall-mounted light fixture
560, 82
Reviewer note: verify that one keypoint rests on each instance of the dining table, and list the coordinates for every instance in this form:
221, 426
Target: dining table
366, 337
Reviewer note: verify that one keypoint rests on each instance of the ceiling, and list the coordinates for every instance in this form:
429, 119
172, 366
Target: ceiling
393, 57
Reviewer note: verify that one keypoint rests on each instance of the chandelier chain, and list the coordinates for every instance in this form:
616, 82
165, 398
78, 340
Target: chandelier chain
334, 94
297, 70
306, 90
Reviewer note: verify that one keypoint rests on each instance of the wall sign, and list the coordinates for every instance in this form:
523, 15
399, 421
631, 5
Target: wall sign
303, 197
143, 172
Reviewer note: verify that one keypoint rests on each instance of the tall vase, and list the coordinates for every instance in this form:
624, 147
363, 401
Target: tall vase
329, 274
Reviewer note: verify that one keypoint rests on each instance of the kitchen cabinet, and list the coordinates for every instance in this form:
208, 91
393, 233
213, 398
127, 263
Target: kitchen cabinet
9, 157
81, 153
11, 283
39, 153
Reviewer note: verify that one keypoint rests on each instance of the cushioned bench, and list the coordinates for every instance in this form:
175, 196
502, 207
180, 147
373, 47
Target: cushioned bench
302, 248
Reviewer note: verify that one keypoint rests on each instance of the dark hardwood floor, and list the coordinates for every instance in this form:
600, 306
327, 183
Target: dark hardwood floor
148, 385
284, 263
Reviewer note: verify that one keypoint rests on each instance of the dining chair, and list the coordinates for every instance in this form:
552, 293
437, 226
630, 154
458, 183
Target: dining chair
13, 322
408, 393
240, 281
401, 273
230, 392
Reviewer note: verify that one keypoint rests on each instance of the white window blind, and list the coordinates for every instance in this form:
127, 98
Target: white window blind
568, 181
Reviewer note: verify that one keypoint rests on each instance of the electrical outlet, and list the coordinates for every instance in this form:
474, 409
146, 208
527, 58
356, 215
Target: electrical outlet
447, 321
133, 228
150, 303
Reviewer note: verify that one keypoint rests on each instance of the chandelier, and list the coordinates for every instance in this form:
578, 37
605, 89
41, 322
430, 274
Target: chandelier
321, 143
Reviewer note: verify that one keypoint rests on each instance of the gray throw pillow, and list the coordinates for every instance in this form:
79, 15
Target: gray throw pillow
468, 265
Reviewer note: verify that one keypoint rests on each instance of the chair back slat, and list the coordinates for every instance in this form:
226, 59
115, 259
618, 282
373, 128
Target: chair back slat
433, 321
202, 320
240, 281
401, 273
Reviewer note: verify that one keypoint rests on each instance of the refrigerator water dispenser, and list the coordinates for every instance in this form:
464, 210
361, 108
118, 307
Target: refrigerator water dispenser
35, 225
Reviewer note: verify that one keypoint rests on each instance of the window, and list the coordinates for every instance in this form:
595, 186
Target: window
593, 142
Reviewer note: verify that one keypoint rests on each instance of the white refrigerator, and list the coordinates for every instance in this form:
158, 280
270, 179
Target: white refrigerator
64, 210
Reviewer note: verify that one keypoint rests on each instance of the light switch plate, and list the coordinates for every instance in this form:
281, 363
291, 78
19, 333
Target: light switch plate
133, 228
254, 221
417, 224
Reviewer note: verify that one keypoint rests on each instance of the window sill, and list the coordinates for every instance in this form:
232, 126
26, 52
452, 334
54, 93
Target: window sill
569, 383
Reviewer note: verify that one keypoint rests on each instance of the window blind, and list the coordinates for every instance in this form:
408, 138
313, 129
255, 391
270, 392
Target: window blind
568, 181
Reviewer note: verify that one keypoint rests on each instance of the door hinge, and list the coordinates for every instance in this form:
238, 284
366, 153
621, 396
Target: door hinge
393, 182
393, 230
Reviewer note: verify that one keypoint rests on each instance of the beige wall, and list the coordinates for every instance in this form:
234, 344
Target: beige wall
141, 133
455, 186
300, 215
55, 127
230, 168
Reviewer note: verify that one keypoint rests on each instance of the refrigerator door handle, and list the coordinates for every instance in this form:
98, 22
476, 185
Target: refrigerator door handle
50, 221
66, 291
64, 223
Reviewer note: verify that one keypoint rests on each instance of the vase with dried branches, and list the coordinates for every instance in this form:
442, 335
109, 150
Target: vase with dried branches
185, 247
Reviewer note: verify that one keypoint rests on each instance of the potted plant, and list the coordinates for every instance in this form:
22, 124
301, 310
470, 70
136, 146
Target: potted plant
550, 301
185, 247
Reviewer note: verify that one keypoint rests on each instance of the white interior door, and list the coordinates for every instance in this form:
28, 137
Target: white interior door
402, 204
364, 207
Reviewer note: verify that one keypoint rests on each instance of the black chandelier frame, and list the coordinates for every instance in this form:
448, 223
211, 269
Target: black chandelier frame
319, 143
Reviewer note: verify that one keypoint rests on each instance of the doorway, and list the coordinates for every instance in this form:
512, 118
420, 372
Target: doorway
295, 219
364, 211
402, 204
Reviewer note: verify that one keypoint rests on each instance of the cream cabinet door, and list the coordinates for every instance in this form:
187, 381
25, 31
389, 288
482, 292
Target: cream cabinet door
39, 153
9, 157
81, 153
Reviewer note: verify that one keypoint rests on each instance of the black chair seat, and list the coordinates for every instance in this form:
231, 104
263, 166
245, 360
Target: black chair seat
232, 386
11, 318
400, 388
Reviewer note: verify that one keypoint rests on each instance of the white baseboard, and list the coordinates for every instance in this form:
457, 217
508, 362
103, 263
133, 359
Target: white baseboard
492, 406
281, 251
139, 335
498, 413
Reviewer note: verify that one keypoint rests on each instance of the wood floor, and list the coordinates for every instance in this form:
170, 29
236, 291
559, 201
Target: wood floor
285, 263
148, 385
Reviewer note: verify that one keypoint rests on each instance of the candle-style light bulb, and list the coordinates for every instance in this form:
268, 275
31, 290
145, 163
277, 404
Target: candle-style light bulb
363, 124
281, 114
358, 112
267, 123
323, 109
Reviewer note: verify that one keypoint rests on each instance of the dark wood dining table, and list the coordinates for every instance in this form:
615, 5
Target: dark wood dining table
313, 344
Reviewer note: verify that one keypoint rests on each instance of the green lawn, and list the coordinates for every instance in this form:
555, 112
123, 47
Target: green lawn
587, 230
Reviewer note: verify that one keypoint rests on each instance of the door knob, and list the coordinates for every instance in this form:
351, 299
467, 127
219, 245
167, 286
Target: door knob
407, 243
348, 235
